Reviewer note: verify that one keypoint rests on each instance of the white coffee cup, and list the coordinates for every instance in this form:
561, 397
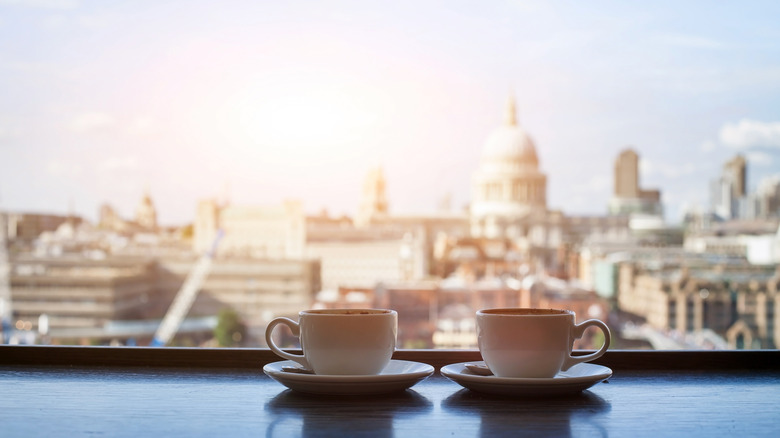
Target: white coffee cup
532, 343
341, 341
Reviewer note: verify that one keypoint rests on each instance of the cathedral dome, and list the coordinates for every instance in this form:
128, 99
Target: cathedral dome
508, 184
510, 142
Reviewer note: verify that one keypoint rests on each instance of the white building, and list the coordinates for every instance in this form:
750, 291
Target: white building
756, 240
509, 192
275, 231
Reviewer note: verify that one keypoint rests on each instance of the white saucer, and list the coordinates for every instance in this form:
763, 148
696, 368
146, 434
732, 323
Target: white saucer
397, 376
577, 378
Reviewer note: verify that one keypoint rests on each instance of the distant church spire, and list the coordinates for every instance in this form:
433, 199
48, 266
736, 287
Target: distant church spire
374, 202
146, 213
510, 117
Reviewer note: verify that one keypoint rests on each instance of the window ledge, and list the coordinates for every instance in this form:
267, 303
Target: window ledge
255, 357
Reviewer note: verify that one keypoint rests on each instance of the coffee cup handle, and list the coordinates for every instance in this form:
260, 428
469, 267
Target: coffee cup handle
577, 332
296, 331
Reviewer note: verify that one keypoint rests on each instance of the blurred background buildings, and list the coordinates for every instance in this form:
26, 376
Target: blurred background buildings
711, 282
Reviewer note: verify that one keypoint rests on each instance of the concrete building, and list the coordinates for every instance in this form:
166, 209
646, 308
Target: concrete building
737, 303
756, 240
121, 298
144, 221
735, 173
731, 200
378, 246
441, 313
364, 263
257, 289
629, 198
23, 228
273, 231
768, 198
77, 294
730, 189
117, 283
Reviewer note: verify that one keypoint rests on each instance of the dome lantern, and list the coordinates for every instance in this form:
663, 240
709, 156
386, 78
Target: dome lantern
510, 116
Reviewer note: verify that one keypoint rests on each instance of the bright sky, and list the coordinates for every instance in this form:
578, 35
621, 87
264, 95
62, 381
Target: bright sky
268, 101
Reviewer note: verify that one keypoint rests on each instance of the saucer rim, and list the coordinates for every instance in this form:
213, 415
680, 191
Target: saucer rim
274, 369
347, 385
455, 372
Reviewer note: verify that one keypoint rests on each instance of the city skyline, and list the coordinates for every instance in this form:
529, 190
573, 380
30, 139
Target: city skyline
268, 102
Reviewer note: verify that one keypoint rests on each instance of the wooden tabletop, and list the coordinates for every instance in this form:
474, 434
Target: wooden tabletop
75, 397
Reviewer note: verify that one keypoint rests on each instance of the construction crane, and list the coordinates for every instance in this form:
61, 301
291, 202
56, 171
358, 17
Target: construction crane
185, 297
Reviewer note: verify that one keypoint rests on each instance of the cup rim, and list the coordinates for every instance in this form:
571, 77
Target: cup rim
534, 312
347, 312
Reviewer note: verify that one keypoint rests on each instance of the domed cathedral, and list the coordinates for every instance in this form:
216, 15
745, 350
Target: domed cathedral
509, 194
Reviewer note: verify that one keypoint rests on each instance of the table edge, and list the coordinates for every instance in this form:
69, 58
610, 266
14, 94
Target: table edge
254, 357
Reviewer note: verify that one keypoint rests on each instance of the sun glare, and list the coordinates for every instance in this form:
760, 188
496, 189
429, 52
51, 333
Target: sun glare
307, 119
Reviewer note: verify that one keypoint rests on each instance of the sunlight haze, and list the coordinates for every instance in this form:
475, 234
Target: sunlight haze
265, 101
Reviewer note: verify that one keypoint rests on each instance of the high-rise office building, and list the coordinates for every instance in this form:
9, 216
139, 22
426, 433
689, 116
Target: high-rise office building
629, 197
627, 174
728, 194
735, 173
769, 197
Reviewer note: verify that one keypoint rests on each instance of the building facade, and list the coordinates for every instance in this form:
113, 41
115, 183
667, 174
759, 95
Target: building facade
273, 231
257, 289
739, 304
509, 194
442, 313
729, 191
91, 299
628, 197
79, 296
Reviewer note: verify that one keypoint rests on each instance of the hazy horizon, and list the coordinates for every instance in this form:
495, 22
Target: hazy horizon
263, 102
